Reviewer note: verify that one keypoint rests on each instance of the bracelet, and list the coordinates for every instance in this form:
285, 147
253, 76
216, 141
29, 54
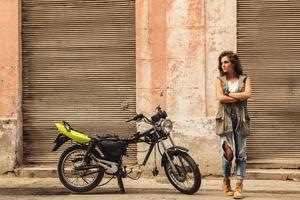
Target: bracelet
227, 92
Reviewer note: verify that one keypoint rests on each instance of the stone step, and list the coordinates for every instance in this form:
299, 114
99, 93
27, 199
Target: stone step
274, 174
274, 163
38, 171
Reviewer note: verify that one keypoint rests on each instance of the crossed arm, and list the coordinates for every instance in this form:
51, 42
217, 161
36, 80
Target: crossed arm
233, 96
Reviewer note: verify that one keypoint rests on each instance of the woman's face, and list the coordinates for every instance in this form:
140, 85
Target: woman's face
227, 66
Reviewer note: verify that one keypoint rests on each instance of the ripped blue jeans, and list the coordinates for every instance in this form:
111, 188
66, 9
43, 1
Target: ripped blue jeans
237, 144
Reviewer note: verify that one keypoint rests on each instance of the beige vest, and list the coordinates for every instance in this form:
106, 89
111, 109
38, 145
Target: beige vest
223, 120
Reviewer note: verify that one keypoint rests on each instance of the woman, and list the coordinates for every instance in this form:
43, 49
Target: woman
232, 121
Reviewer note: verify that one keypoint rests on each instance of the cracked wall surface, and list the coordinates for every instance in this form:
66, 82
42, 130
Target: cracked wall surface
8, 144
178, 44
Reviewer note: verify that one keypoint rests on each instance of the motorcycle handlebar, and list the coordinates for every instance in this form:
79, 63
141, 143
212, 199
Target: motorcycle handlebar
136, 117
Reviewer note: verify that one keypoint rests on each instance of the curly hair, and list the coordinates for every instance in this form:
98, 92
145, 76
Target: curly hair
234, 59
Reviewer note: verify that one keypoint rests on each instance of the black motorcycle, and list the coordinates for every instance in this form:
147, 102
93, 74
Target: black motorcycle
82, 166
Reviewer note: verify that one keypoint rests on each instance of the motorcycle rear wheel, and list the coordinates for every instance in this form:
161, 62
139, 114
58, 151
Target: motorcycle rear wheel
70, 174
188, 178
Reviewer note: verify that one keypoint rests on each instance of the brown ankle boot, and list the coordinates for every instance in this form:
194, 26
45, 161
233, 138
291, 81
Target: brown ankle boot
238, 192
227, 188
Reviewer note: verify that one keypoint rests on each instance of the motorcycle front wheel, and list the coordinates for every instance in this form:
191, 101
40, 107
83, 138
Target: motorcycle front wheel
76, 175
187, 177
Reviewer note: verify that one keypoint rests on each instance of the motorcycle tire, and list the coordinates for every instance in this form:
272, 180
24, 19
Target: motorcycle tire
189, 167
62, 175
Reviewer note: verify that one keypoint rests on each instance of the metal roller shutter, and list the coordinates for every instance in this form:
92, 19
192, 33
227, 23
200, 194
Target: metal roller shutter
269, 46
78, 66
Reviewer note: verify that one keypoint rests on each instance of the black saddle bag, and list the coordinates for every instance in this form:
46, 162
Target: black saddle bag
112, 149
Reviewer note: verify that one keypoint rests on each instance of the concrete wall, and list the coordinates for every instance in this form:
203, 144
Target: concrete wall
178, 43
10, 85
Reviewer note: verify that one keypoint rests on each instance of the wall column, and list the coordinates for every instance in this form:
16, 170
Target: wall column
10, 85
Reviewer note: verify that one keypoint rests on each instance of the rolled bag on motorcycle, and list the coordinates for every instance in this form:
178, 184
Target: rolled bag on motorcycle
173, 151
66, 135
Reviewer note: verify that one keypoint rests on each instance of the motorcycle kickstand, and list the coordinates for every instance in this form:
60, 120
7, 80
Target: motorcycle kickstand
120, 183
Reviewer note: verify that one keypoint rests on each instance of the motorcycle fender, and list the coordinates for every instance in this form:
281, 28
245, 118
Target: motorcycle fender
59, 141
173, 151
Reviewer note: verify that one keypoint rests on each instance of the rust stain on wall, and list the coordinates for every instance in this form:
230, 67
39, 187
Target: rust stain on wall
195, 52
193, 47
158, 38
169, 4
195, 13
195, 23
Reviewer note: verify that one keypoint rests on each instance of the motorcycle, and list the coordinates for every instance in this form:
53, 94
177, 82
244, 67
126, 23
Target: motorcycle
81, 167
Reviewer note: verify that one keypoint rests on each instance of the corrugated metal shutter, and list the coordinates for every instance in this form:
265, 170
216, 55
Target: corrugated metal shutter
78, 66
269, 46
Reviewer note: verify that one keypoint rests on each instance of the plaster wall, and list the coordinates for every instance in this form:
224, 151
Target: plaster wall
178, 43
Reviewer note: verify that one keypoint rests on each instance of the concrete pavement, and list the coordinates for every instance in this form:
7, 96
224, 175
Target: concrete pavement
153, 195
52, 186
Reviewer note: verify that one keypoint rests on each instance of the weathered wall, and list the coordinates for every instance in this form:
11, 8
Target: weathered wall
10, 85
178, 43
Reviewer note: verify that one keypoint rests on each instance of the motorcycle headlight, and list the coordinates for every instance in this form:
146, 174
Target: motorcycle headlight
167, 125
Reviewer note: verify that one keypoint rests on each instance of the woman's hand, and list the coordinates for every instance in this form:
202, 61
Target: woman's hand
242, 96
220, 96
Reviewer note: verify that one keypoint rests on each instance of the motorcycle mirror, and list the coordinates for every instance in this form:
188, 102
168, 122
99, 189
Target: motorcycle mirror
158, 108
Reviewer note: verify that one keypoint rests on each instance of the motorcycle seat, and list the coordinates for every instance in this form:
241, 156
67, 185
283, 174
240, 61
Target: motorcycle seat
111, 137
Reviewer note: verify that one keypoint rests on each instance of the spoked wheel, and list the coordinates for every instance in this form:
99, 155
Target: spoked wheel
76, 175
187, 177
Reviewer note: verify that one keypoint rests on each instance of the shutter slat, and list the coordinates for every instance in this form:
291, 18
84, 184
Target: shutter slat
268, 44
78, 66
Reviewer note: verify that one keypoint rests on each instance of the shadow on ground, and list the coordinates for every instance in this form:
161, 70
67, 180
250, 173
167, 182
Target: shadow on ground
98, 191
